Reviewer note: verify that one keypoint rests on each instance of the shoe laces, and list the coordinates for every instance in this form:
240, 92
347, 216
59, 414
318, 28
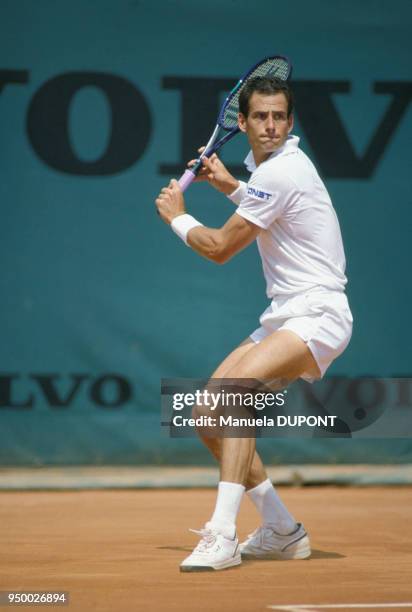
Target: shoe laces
208, 539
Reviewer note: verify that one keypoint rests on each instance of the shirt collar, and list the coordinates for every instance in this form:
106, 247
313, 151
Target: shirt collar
290, 146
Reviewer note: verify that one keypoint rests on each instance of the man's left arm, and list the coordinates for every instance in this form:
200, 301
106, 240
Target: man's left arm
218, 245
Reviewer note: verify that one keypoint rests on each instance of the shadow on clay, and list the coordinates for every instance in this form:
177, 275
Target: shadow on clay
316, 553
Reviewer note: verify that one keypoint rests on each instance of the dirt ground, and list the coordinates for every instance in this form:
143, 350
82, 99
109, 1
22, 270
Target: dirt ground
120, 550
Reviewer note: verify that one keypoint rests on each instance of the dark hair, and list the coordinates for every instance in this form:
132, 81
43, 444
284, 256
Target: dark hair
264, 85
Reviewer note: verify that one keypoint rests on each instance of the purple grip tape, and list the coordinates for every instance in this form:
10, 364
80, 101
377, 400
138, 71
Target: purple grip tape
185, 180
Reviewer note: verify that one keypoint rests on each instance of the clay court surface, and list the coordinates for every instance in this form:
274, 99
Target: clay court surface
120, 550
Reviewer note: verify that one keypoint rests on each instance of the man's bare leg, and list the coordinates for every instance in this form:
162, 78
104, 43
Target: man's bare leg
281, 355
256, 473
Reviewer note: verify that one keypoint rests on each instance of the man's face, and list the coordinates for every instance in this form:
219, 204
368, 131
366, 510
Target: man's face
267, 125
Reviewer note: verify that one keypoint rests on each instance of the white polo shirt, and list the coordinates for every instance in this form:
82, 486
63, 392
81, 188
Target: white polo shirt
301, 243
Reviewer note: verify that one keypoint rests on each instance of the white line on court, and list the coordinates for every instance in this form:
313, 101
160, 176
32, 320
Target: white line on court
315, 607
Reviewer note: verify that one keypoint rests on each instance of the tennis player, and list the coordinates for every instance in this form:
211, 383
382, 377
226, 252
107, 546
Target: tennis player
287, 209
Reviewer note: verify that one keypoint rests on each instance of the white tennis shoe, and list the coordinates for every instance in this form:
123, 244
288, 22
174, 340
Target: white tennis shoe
215, 551
265, 543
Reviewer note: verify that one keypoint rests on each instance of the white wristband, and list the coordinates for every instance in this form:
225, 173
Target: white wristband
237, 195
182, 224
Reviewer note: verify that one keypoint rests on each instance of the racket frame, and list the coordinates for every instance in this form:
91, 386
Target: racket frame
213, 144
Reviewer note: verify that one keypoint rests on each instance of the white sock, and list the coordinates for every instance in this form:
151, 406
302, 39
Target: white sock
229, 496
274, 513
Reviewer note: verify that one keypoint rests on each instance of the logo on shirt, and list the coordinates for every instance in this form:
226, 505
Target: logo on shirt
257, 193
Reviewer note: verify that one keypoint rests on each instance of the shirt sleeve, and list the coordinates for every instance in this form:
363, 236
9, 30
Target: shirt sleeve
265, 197
238, 194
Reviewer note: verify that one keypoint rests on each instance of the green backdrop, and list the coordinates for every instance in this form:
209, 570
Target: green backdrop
100, 104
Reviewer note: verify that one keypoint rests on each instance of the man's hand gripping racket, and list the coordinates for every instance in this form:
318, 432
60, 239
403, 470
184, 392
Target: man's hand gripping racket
227, 120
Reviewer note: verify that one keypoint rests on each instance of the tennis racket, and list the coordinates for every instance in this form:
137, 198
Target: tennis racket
277, 66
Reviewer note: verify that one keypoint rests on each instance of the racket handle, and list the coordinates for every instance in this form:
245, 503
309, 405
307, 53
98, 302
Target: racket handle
190, 175
186, 179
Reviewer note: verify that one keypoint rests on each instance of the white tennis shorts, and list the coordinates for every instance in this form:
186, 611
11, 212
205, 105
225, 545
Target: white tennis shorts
322, 318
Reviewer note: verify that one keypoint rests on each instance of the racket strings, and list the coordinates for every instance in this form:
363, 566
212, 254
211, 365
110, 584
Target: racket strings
277, 67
